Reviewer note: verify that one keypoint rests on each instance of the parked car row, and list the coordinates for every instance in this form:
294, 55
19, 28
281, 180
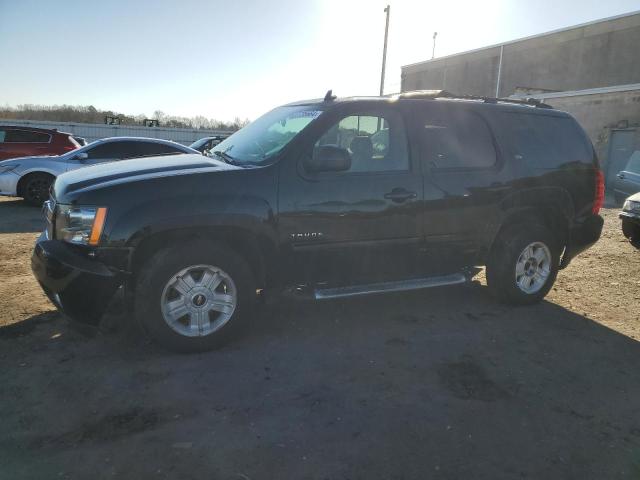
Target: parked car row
34, 157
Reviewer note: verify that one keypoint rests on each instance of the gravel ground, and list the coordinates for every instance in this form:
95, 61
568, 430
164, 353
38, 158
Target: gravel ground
442, 383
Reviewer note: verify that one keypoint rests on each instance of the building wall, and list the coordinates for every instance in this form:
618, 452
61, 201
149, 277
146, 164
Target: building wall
92, 131
593, 55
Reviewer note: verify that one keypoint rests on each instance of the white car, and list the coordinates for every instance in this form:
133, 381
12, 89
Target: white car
31, 177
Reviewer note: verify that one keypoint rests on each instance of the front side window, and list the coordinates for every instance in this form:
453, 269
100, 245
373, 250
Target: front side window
375, 143
265, 137
453, 139
113, 150
25, 136
633, 165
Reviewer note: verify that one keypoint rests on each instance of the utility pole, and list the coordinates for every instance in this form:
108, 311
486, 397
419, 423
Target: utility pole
433, 51
384, 50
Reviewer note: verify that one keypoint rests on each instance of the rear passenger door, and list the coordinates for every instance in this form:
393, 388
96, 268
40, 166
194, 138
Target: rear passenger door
463, 182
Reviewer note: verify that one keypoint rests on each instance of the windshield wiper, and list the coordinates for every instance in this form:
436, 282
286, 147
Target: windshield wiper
225, 156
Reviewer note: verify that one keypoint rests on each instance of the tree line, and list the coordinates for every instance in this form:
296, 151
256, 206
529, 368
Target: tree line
90, 114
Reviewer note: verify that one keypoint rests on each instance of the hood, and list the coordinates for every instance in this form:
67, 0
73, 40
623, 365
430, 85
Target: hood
13, 161
635, 197
135, 170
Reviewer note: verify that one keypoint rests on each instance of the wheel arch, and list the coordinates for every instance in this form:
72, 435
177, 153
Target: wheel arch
24, 178
256, 251
552, 207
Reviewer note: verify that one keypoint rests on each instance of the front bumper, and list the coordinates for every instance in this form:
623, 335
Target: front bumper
631, 217
582, 236
9, 183
79, 286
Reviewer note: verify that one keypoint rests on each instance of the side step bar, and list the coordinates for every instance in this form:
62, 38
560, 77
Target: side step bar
399, 286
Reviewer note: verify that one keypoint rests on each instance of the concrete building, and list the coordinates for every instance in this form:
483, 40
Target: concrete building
591, 71
95, 131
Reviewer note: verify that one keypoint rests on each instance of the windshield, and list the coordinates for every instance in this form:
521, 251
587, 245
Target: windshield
263, 138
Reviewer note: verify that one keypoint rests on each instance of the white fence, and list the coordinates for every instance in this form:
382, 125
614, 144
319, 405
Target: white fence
95, 131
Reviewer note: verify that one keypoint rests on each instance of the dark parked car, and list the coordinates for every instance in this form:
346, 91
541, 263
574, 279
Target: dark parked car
628, 180
30, 141
333, 198
207, 144
630, 216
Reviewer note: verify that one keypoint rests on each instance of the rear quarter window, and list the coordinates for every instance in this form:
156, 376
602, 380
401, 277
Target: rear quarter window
544, 141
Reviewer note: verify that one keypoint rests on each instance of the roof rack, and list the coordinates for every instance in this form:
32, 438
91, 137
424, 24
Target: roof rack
433, 94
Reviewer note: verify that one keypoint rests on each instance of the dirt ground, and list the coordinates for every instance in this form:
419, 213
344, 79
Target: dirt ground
443, 383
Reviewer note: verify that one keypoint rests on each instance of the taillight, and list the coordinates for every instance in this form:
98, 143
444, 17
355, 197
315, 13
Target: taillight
598, 200
68, 148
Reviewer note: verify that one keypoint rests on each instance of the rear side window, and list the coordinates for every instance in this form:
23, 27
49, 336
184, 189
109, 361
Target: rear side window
147, 149
456, 139
544, 141
2, 134
25, 136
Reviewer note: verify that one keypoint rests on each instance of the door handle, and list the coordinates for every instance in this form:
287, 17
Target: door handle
399, 195
621, 176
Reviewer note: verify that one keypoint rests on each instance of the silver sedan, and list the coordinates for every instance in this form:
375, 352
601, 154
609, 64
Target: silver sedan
31, 177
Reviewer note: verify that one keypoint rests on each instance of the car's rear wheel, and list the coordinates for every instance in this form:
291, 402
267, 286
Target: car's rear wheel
193, 298
35, 189
523, 264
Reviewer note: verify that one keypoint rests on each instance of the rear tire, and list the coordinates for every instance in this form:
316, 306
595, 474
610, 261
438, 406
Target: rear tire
35, 188
523, 264
176, 306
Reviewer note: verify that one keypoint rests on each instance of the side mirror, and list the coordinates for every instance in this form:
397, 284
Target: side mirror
328, 158
82, 156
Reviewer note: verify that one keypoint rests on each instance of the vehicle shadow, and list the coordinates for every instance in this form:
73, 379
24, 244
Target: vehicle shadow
16, 216
443, 383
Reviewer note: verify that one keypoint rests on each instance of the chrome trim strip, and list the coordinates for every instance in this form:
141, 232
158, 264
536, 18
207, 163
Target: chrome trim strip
398, 286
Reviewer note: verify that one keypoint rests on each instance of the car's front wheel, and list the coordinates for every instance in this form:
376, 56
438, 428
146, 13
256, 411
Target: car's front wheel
35, 189
631, 231
523, 264
192, 298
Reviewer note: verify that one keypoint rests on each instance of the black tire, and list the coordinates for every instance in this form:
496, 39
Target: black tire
35, 188
166, 263
504, 255
631, 231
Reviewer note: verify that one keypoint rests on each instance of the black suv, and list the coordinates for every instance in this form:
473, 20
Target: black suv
334, 197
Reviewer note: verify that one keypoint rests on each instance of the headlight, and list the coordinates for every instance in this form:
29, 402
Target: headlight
8, 168
631, 206
80, 225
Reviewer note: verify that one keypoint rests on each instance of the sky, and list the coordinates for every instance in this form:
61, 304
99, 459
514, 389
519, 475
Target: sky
240, 58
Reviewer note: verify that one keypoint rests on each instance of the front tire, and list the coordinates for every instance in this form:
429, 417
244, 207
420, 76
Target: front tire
523, 264
195, 297
35, 190
631, 231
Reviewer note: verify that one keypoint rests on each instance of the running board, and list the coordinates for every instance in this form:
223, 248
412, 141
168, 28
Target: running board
399, 286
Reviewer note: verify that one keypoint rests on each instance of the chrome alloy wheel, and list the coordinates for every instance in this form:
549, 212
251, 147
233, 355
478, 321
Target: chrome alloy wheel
198, 300
533, 267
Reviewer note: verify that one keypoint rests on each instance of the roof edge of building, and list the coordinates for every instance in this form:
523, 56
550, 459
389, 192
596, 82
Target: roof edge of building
522, 39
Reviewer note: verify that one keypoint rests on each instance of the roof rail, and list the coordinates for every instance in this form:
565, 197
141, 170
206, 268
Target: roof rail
433, 94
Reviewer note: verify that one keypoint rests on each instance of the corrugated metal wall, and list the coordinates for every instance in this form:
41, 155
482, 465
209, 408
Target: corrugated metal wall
94, 131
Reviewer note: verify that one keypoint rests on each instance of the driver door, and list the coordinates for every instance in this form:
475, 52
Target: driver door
361, 225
